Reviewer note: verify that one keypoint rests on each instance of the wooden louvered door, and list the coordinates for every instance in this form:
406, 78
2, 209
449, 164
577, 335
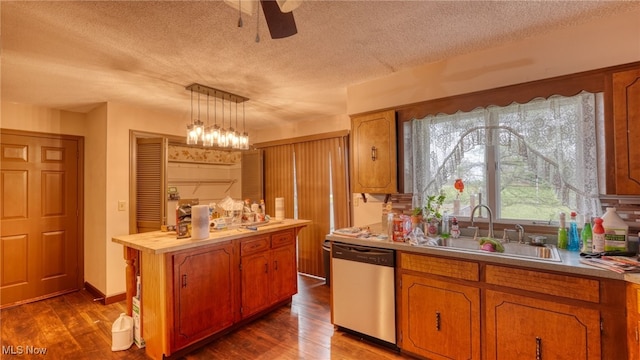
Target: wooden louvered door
151, 186
41, 241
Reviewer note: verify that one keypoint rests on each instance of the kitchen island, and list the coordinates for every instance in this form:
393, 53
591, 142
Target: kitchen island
194, 290
453, 303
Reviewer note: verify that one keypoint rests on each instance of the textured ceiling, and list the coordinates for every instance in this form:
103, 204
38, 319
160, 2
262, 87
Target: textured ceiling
75, 55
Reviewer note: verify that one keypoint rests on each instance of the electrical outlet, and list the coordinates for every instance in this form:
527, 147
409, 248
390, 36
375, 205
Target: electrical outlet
122, 205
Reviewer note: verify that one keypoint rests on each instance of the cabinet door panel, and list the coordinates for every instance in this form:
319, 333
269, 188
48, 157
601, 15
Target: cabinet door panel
255, 283
284, 280
626, 119
374, 153
520, 327
203, 293
440, 320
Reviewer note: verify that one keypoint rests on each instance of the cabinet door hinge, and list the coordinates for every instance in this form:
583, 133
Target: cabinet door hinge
240, 266
241, 310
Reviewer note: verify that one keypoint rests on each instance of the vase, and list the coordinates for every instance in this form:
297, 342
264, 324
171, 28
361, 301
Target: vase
432, 228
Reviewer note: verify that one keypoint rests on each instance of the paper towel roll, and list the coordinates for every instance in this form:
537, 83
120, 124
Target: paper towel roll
200, 222
279, 208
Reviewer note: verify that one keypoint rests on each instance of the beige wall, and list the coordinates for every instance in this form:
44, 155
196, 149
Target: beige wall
604, 42
32, 118
95, 184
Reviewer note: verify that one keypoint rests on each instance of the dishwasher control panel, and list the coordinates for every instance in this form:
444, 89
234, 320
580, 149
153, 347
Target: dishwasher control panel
363, 254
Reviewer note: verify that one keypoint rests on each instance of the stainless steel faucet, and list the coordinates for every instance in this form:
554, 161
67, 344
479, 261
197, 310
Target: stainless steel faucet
490, 218
520, 229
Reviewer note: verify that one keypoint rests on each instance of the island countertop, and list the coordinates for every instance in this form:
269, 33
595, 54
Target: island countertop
159, 242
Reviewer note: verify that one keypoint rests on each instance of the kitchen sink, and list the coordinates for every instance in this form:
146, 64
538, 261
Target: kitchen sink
511, 249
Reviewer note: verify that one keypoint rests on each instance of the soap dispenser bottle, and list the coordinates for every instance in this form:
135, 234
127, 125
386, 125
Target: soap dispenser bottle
574, 237
562, 232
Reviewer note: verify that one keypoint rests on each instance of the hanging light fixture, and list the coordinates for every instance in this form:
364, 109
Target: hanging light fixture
214, 135
244, 138
207, 135
223, 141
215, 130
230, 132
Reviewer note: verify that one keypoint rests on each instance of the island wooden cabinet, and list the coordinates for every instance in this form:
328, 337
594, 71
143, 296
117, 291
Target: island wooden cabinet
374, 153
202, 292
284, 278
192, 290
268, 271
626, 121
520, 327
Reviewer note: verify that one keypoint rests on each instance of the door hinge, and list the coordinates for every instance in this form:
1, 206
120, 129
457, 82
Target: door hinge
240, 266
241, 310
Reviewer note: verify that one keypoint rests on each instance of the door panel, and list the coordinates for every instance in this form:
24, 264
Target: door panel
40, 237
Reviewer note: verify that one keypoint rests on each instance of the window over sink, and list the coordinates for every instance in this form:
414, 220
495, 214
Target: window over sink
526, 161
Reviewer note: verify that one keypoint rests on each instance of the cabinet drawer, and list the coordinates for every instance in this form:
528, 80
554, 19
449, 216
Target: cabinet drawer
282, 238
551, 284
254, 245
457, 269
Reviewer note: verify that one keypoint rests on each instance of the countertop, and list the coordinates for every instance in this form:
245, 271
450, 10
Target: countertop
570, 260
159, 242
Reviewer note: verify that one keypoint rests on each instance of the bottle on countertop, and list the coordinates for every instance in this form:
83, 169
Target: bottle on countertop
587, 235
574, 237
615, 231
563, 237
598, 236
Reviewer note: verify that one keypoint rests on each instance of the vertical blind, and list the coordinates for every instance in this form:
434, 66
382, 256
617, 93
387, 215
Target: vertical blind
312, 177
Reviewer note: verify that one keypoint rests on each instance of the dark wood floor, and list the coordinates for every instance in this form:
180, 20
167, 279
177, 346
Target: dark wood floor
73, 326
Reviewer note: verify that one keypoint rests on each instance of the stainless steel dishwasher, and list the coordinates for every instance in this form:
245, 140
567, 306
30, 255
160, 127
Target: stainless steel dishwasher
363, 288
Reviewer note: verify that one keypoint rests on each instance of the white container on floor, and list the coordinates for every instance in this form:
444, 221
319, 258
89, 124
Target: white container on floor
122, 333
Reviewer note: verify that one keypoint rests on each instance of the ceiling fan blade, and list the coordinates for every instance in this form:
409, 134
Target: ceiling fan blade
281, 25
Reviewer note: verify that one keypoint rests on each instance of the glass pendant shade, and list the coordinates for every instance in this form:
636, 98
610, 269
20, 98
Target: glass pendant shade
207, 138
192, 137
215, 134
222, 140
244, 141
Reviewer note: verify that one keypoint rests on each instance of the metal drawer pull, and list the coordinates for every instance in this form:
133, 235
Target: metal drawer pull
374, 153
437, 320
538, 348
184, 280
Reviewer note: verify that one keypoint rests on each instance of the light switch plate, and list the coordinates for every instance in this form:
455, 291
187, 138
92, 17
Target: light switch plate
122, 205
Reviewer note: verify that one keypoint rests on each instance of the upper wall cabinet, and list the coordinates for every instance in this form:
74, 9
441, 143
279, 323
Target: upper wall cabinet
374, 161
626, 120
